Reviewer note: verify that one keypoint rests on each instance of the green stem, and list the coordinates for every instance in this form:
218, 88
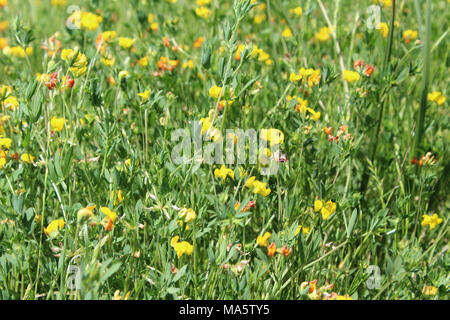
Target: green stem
426, 80
374, 145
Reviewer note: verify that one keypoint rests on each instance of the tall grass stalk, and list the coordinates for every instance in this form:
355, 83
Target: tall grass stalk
426, 80
374, 145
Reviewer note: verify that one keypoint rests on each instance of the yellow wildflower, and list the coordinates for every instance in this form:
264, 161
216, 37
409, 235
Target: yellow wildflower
187, 214
262, 240
5, 143
409, 35
89, 20
429, 290
437, 97
87, 212
260, 188
143, 62
259, 18
383, 29
109, 213
293, 77
305, 230
214, 91
298, 11
318, 204
274, 136
203, 12
431, 221
223, 173
3, 43
144, 95
351, 76
57, 124
28, 158
287, 33
107, 36
117, 295
126, 43
54, 226
328, 210
182, 247
117, 196
323, 34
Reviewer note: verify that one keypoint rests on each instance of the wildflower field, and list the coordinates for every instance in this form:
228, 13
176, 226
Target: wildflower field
224, 149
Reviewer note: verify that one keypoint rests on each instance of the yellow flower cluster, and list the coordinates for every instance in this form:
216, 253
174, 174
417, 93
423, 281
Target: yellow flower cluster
214, 91
384, 3
54, 227
258, 186
187, 214
429, 290
151, 21
56, 3
326, 209
85, 20
287, 33
312, 76
144, 95
17, 51
126, 43
117, 295
256, 52
202, 11
213, 133
437, 97
298, 11
351, 76
302, 107
182, 247
109, 36
57, 124
3, 43
273, 136
305, 230
323, 34
431, 221
262, 240
5, 144
109, 213
383, 29
10, 102
79, 66
116, 196
409, 35
259, 18
224, 172
26, 157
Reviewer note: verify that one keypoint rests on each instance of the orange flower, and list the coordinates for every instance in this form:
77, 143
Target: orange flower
166, 42
369, 70
358, 64
109, 225
285, 251
198, 43
271, 249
